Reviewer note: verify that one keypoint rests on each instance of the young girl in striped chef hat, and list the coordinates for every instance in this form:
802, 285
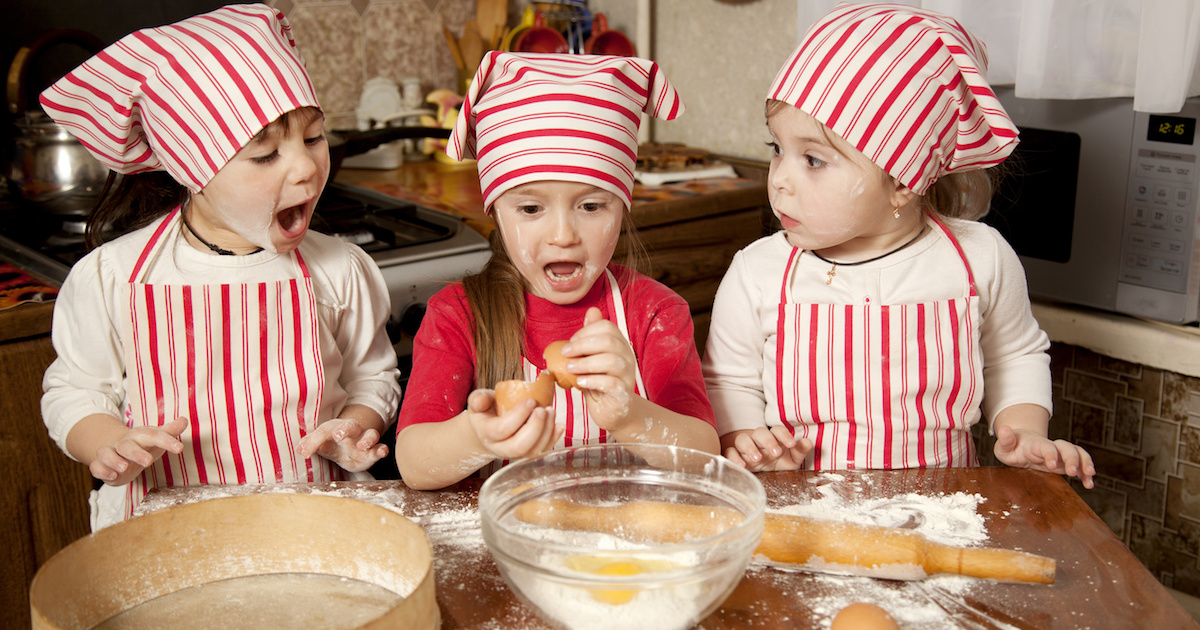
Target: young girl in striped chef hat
883, 321
556, 140
221, 342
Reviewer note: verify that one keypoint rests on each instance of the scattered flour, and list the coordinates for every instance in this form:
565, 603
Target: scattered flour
950, 519
452, 528
934, 603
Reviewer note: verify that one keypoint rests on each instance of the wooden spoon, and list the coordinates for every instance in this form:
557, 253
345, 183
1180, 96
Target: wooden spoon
809, 543
492, 16
455, 51
471, 44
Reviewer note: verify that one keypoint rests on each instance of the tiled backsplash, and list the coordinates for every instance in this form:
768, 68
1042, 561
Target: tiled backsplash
347, 42
1142, 427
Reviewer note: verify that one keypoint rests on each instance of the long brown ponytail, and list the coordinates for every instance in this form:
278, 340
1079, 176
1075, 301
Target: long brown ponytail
497, 298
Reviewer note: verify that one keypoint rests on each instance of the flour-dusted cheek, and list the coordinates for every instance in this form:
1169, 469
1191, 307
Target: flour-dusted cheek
859, 187
253, 224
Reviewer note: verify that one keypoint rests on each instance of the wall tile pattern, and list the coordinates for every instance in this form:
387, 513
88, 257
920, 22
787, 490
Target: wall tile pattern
1142, 427
347, 42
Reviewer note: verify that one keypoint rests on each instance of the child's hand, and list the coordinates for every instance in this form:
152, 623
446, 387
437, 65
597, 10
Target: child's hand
118, 463
764, 449
523, 431
1029, 449
344, 442
604, 362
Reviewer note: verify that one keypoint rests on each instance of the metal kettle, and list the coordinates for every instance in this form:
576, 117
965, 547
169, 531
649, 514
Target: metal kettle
49, 166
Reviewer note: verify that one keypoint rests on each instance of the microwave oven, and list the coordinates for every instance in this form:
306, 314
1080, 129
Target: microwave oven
1101, 204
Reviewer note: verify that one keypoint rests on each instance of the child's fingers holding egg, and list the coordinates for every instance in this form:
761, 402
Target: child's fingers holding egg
533, 435
604, 352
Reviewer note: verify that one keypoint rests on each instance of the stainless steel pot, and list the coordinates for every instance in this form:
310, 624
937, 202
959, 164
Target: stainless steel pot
49, 166
52, 169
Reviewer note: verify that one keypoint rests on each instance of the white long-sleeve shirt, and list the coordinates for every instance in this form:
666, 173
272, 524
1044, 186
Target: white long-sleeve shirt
739, 359
88, 377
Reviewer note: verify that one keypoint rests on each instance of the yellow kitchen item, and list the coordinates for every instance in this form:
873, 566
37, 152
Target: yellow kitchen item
249, 538
526, 23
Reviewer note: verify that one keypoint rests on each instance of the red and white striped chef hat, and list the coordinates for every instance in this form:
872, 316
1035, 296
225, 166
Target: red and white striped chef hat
186, 97
905, 86
537, 117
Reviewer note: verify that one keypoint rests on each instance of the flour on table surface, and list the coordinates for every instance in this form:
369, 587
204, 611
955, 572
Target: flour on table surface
934, 603
941, 602
948, 518
452, 528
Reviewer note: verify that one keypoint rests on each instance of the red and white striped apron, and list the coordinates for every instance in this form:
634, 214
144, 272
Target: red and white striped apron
240, 361
881, 386
570, 409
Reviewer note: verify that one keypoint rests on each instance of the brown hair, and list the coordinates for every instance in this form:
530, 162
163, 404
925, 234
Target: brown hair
128, 202
959, 195
496, 296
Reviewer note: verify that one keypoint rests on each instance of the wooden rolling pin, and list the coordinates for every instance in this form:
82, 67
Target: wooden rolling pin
808, 543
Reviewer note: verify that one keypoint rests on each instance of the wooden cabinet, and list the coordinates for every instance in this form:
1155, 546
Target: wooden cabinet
691, 233
43, 499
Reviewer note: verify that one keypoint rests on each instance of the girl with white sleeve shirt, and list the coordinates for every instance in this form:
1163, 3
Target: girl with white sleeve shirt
219, 341
862, 335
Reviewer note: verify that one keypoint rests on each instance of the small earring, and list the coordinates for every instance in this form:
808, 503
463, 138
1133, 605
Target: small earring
896, 213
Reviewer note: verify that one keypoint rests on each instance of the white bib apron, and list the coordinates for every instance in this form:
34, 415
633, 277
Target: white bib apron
881, 386
240, 361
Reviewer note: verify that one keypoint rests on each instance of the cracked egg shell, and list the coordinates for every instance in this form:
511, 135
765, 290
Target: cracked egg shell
556, 364
509, 394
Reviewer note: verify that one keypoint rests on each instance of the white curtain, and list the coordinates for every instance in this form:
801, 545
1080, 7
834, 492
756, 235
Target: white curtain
1077, 49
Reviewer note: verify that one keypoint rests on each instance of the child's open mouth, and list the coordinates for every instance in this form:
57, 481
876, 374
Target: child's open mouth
293, 220
563, 271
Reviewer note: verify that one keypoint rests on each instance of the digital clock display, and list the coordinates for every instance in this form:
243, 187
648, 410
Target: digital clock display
1173, 129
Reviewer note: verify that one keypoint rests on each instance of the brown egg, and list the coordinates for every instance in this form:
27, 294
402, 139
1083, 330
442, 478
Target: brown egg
556, 363
863, 616
511, 393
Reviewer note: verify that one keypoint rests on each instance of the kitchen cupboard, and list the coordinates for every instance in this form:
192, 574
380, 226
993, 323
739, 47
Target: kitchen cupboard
43, 498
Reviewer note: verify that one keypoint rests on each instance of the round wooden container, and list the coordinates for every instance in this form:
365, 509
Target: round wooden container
128, 564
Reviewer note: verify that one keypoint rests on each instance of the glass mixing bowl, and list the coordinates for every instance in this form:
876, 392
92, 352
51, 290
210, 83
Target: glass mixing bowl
625, 536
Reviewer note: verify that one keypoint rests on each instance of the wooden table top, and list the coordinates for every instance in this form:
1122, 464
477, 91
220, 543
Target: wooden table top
1099, 583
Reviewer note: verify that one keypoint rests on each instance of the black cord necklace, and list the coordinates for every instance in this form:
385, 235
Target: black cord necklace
833, 270
216, 248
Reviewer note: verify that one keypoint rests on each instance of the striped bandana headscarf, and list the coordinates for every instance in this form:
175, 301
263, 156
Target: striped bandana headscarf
186, 97
905, 86
531, 117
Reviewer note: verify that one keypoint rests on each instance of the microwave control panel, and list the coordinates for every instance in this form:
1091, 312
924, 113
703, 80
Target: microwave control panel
1161, 208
